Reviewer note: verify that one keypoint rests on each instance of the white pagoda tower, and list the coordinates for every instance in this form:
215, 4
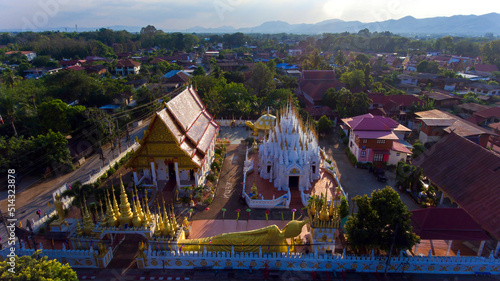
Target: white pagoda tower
290, 155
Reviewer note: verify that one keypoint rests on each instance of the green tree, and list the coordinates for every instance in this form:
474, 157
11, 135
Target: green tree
199, 71
380, 221
408, 176
353, 79
343, 208
340, 58
261, 81
418, 149
324, 124
56, 115
37, 268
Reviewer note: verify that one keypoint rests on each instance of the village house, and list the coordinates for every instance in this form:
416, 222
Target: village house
483, 89
376, 139
442, 100
435, 124
393, 106
467, 109
127, 66
313, 84
28, 54
486, 116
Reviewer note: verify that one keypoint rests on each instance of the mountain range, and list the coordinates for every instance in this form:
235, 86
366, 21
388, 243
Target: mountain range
471, 25
464, 25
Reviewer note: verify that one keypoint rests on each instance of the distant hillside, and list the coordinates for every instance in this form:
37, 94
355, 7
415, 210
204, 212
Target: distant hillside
470, 25
454, 25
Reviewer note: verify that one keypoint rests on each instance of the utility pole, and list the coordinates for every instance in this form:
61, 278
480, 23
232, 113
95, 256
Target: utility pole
128, 137
388, 262
101, 154
111, 139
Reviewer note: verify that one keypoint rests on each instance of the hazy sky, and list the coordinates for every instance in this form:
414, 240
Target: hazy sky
182, 14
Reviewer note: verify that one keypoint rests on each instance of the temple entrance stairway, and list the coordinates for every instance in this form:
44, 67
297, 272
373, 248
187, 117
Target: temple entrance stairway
295, 201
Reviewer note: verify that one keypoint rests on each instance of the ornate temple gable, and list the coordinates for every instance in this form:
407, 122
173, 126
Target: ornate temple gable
160, 142
182, 130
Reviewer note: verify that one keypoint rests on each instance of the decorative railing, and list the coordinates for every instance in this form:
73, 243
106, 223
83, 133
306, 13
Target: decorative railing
319, 262
227, 122
280, 202
75, 258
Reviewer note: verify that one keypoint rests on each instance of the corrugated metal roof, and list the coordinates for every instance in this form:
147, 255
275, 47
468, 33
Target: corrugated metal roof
469, 174
446, 224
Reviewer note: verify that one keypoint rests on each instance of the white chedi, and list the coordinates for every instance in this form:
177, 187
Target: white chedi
289, 155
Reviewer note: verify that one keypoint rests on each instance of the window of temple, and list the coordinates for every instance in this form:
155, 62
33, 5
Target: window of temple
313, 169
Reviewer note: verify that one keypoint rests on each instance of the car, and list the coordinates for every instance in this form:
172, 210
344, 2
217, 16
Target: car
379, 174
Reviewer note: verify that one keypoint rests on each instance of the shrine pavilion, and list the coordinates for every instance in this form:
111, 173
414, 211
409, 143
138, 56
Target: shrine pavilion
178, 145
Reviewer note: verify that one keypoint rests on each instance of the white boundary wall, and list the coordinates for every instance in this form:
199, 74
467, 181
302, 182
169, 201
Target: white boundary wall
320, 262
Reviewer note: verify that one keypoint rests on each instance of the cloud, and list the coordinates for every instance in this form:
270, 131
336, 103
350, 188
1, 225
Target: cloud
170, 14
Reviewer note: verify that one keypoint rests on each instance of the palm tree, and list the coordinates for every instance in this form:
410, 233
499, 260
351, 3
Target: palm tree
9, 107
79, 192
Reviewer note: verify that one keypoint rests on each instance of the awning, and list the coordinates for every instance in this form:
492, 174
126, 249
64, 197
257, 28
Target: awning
380, 151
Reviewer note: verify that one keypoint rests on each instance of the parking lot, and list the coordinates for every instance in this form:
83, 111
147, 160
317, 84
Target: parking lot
358, 181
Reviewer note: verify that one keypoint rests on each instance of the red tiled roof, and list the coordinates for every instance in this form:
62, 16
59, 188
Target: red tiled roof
397, 146
482, 115
490, 112
369, 122
318, 111
469, 174
317, 89
70, 62
376, 135
486, 67
378, 98
446, 224
128, 63
15, 52
75, 68
156, 60
179, 77
318, 75
471, 106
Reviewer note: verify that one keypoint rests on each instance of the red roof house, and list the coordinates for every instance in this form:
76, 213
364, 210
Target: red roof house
313, 84
376, 139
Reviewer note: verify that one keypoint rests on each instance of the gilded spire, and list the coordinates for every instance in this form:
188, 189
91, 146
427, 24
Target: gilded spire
148, 213
159, 221
136, 220
110, 214
125, 211
88, 224
138, 207
79, 231
116, 209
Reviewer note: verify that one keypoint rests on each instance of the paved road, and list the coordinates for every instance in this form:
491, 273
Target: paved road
208, 275
31, 197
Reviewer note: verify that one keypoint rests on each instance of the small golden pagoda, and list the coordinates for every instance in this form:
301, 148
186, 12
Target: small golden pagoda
125, 211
